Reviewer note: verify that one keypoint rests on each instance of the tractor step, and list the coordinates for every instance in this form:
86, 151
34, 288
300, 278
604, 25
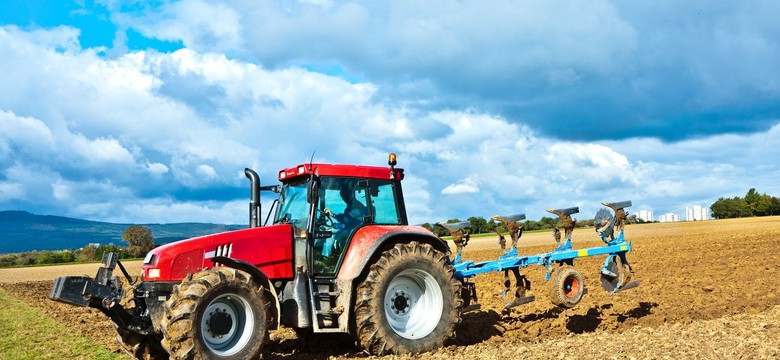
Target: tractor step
331, 312
327, 294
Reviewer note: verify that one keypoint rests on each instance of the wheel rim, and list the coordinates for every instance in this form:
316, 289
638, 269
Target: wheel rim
570, 287
413, 304
227, 324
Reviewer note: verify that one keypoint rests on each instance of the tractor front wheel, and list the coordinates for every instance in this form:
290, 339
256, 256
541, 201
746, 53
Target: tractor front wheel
217, 313
409, 302
142, 347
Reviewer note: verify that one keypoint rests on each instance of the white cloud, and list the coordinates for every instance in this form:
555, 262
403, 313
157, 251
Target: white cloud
102, 150
562, 67
11, 191
207, 171
201, 25
157, 168
193, 120
465, 186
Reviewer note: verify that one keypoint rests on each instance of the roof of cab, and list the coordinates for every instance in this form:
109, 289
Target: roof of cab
370, 172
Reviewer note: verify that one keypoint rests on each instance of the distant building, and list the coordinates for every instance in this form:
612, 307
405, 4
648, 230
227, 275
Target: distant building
645, 215
696, 213
669, 217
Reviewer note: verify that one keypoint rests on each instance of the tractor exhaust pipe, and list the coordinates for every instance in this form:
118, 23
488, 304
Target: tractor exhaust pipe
254, 198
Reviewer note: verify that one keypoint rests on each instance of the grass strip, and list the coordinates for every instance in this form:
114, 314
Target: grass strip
27, 333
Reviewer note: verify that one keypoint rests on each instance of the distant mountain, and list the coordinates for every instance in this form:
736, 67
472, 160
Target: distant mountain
21, 231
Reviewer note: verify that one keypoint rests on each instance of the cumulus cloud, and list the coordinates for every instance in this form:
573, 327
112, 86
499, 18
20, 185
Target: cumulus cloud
163, 137
577, 70
466, 186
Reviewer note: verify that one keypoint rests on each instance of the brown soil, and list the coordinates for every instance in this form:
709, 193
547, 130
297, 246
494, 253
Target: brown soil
707, 291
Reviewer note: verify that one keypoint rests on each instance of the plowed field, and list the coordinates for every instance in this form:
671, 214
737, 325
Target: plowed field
708, 290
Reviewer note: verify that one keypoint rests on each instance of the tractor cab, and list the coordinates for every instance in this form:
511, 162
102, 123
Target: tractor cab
326, 204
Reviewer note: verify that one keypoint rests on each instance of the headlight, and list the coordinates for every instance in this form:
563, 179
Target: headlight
154, 273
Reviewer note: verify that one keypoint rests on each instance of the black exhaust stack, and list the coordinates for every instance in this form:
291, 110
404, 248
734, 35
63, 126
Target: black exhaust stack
254, 197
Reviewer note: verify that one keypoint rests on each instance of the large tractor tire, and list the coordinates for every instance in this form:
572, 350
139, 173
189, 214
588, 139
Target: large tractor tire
218, 313
409, 302
566, 287
142, 347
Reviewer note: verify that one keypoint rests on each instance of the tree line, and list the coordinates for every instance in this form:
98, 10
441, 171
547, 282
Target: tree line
139, 241
753, 204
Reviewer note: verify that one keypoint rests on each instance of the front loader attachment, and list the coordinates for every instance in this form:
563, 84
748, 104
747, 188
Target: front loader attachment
104, 293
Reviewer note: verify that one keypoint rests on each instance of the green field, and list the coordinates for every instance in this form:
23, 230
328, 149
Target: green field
27, 333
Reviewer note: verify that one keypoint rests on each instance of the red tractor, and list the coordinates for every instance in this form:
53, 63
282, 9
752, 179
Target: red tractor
339, 256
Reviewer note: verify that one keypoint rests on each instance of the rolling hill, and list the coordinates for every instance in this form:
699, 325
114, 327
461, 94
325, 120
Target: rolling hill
21, 231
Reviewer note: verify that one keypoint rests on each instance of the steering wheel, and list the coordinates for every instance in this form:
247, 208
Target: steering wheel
326, 218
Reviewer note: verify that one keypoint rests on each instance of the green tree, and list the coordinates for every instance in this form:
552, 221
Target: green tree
490, 226
139, 240
752, 198
763, 205
719, 208
547, 222
88, 253
774, 208
477, 225
532, 225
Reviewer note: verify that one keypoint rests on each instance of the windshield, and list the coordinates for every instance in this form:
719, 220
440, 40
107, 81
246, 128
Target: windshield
293, 207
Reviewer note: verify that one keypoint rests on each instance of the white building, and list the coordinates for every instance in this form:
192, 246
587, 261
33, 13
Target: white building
645, 215
669, 217
696, 213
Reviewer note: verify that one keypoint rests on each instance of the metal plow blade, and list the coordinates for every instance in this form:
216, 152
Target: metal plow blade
453, 227
518, 302
564, 212
616, 276
604, 222
512, 218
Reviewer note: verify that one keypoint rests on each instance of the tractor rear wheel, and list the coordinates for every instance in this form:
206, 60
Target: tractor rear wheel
218, 313
409, 302
566, 287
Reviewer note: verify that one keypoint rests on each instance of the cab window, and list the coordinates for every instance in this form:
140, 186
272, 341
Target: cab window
383, 202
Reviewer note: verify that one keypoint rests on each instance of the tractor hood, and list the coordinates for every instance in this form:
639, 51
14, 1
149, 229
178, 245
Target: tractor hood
269, 248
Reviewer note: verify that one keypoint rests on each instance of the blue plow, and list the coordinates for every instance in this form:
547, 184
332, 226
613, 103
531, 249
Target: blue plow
566, 282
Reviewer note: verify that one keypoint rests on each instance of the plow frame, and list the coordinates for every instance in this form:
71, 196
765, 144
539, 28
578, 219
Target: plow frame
564, 254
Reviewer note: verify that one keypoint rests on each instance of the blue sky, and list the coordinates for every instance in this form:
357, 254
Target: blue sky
148, 111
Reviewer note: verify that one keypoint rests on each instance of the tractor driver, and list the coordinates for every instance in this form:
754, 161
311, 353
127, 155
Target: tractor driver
353, 215
354, 212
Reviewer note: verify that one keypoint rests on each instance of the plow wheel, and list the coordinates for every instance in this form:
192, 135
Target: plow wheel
566, 287
217, 313
409, 302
